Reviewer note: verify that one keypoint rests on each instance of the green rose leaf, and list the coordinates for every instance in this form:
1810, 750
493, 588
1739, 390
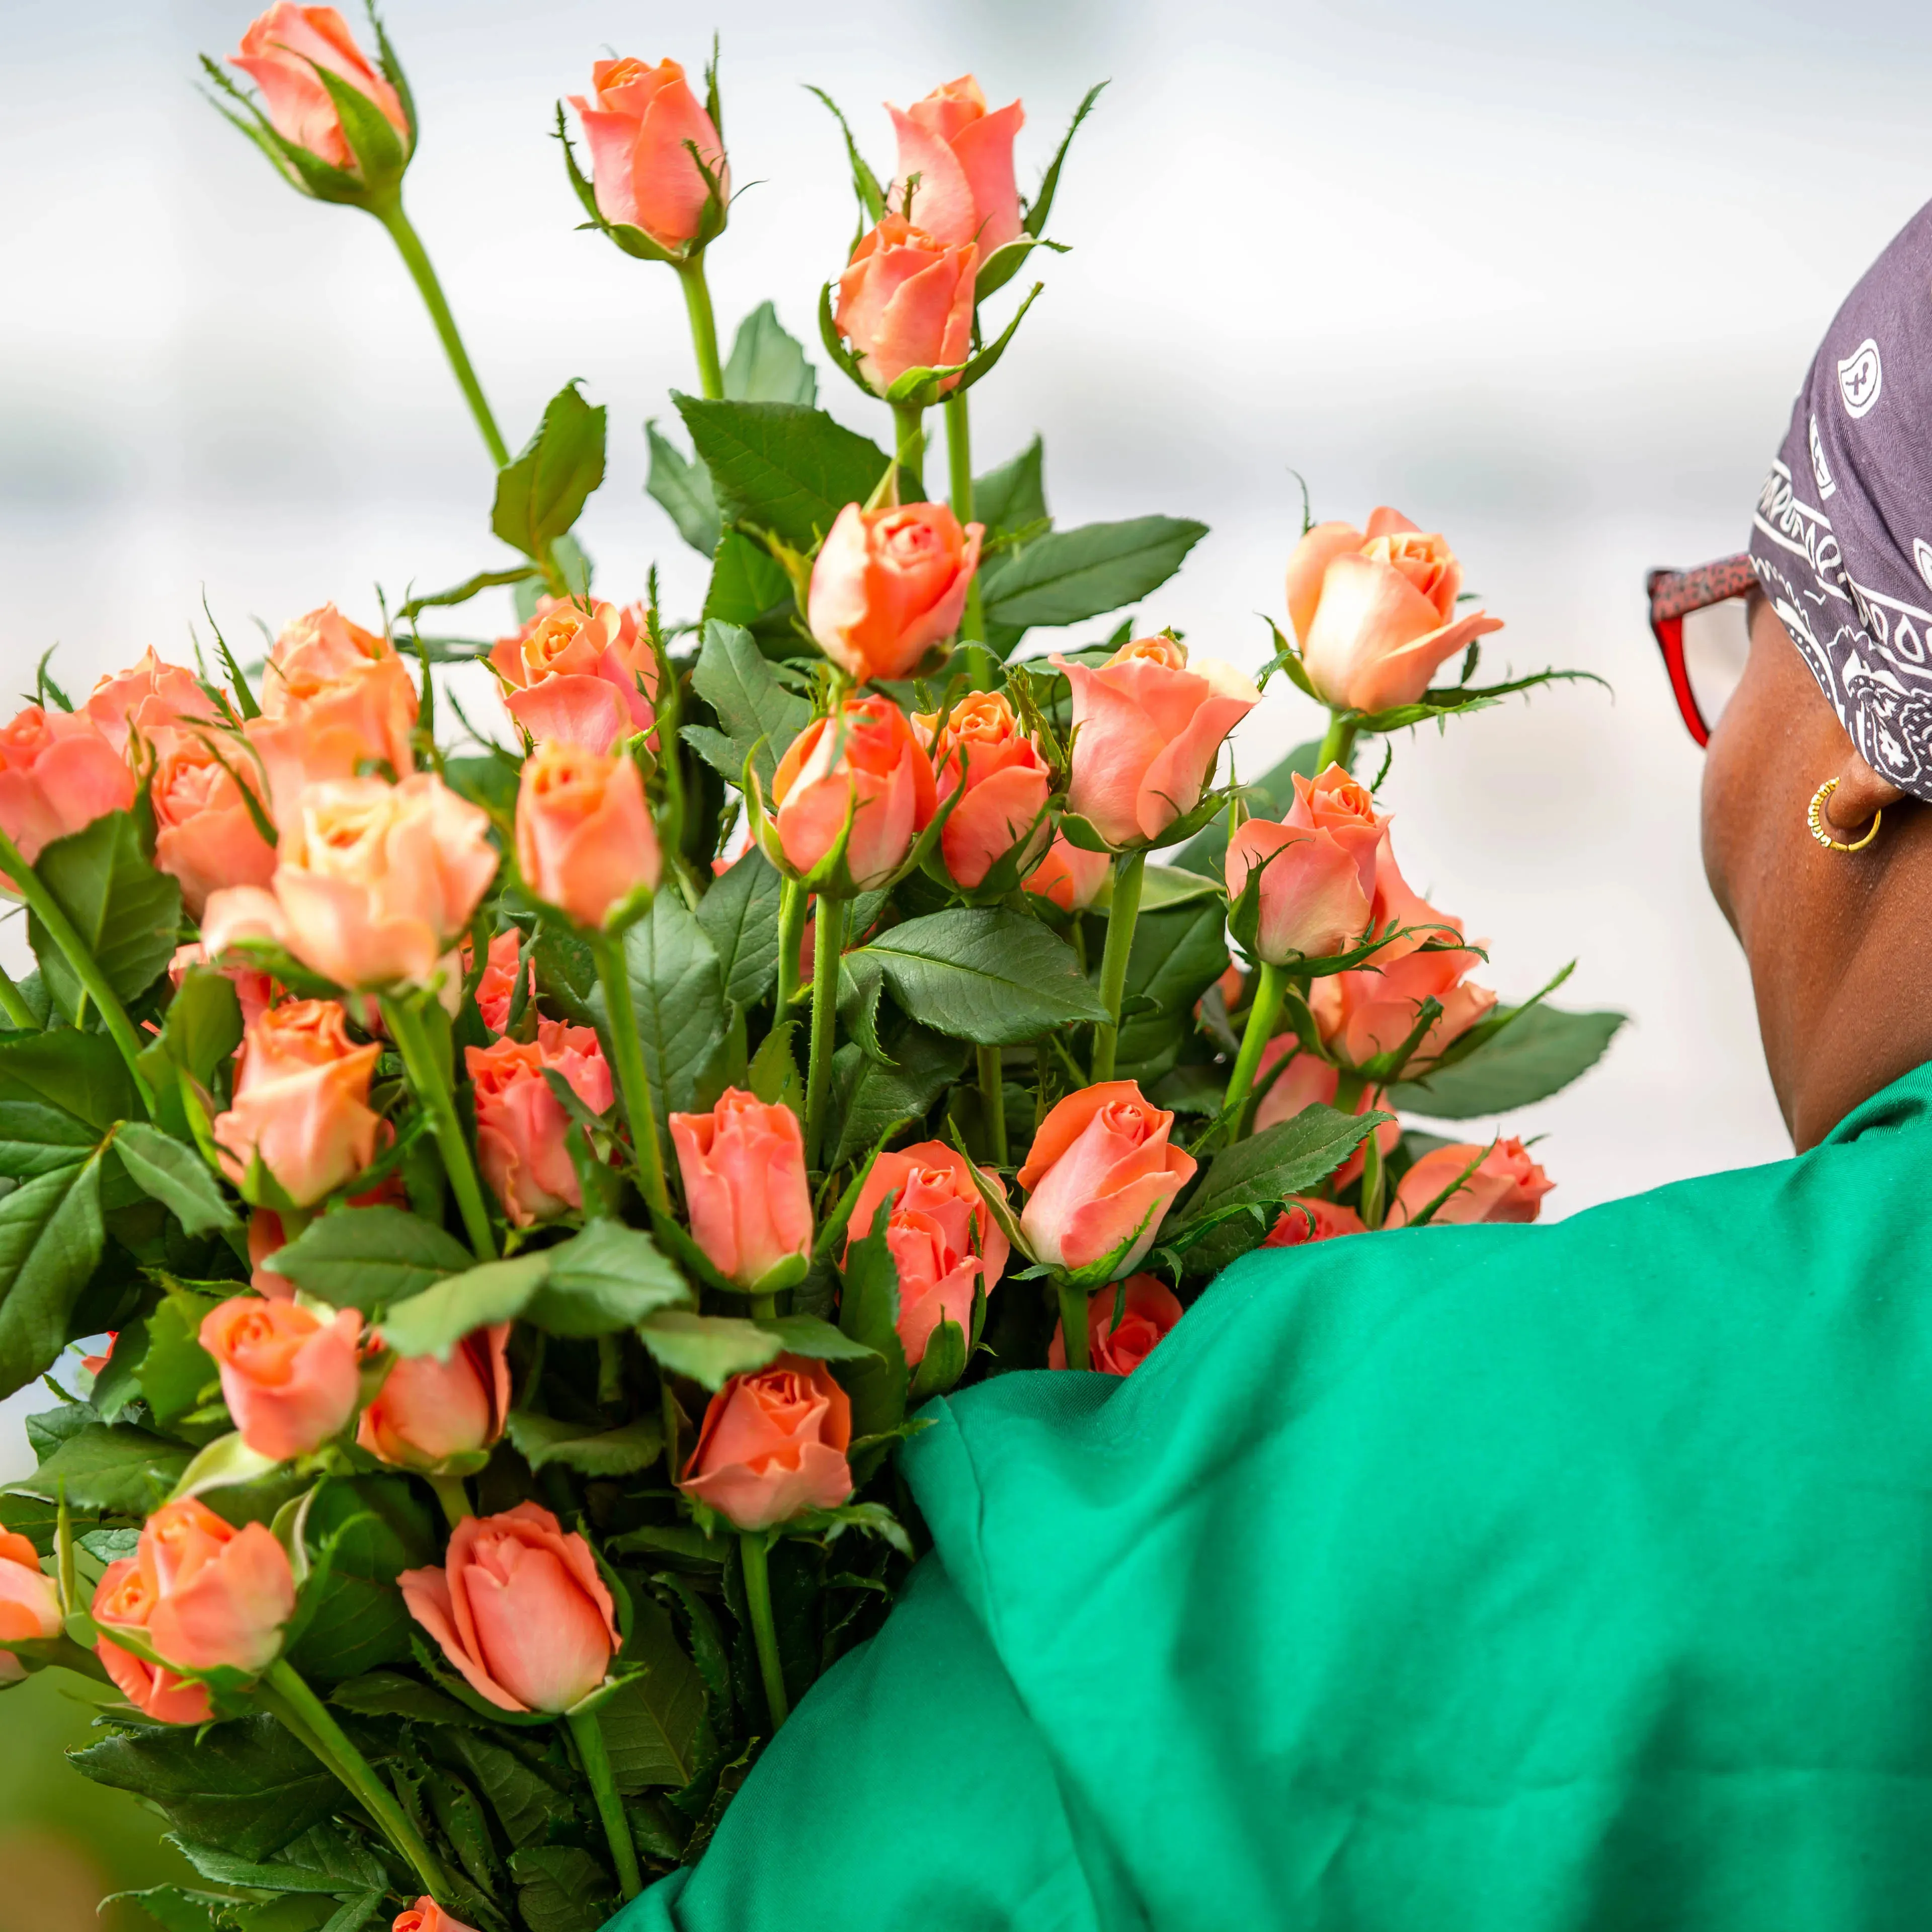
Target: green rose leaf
740, 913
542, 1439
369, 1257
1177, 953
868, 1313
363, 1533
677, 994
114, 1469
748, 587
50, 1243
607, 1279
767, 365
782, 467
869, 1100
708, 1348
1541, 1051
60, 1092
541, 491
651, 1725
1012, 497
1288, 1158
433, 1322
174, 1175
736, 679
682, 489
203, 1026
127, 914
1065, 577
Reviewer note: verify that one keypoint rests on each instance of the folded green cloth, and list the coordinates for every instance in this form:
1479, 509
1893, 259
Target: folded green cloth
1483, 1579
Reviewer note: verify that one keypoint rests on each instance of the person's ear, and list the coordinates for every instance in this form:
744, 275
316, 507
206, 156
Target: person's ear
1860, 792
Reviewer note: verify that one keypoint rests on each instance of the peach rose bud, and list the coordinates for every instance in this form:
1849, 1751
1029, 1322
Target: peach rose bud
123, 1598
1308, 1218
906, 302
205, 835
427, 1411
866, 764
30, 1610
58, 773
1374, 611
963, 158
982, 750
289, 1376
300, 1102
640, 133
585, 841
520, 1124
151, 698
1506, 1185
773, 1445
519, 1608
426, 1915
745, 1188
1148, 727
1118, 1347
1102, 1174
281, 52
1311, 903
496, 985
1073, 879
582, 673
890, 584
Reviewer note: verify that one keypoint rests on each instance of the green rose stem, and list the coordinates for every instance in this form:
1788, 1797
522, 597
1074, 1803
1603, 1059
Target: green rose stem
455, 1498
792, 907
289, 1698
409, 245
60, 929
627, 1051
432, 1090
1262, 1014
1073, 1326
829, 942
992, 1099
1121, 916
758, 1601
595, 1758
1338, 742
910, 452
959, 465
13, 1004
704, 326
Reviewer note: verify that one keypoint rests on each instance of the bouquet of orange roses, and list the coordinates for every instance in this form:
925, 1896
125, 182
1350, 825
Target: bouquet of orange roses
529, 1192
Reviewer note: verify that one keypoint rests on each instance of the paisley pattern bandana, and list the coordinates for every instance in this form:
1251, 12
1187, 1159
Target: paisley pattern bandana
1842, 539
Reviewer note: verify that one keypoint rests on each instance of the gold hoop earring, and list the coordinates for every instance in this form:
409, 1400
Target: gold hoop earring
1814, 817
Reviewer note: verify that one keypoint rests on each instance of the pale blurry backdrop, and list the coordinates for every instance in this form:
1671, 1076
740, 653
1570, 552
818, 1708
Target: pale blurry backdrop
1543, 276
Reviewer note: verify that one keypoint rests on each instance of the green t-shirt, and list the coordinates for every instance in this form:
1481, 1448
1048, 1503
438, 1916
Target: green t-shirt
1460, 1579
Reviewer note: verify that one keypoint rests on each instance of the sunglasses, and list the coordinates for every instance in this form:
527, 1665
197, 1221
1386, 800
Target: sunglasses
1699, 620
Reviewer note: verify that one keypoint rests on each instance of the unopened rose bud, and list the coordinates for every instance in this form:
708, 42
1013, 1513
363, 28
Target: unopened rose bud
743, 1168
963, 158
905, 302
864, 763
772, 1444
889, 585
585, 841
641, 130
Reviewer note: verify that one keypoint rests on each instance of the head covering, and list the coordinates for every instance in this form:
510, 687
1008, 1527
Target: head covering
1842, 540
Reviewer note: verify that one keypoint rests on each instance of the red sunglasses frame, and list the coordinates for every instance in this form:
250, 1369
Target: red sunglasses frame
1674, 594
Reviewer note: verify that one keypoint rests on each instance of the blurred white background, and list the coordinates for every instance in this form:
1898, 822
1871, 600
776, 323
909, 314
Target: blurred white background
1544, 276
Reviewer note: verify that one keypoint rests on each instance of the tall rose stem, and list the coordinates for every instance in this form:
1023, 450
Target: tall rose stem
910, 451
959, 465
627, 1051
793, 900
829, 942
13, 1004
595, 1756
1338, 742
433, 1091
1073, 1326
46, 908
409, 245
454, 1498
993, 1101
758, 1601
1270, 990
1121, 916
704, 327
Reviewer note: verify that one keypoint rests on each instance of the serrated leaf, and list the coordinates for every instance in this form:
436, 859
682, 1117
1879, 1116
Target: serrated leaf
174, 1175
59, 1093
171, 1370
740, 913
541, 491
369, 1257
388, 1693
869, 1099
807, 1335
735, 678
708, 1348
543, 1439
1176, 955
1067, 576
869, 1312
372, 1528
1539, 1054
1012, 497
173, 1907
525, 1802
202, 1025
1288, 1158
433, 1322
682, 489
767, 365
560, 1889
51, 1238
605, 1280
125, 912
650, 1727
786, 468
748, 587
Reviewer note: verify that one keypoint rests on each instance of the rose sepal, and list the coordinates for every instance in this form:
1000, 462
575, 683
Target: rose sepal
923, 387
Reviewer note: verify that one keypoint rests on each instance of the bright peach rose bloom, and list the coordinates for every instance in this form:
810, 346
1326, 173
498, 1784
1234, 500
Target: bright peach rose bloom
150, 698
300, 1102
1119, 1348
519, 1609
1102, 1174
1312, 904
205, 836
1073, 880
254, 989
906, 302
124, 1598
585, 841
426, 1915
280, 52
943, 1239
289, 1376
643, 174
772, 1445
866, 762
427, 1411
374, 882
963, 158
520, 1124
29, 1601
1308, 1218
1506, 1185
1375, 611
204, 1593
497, 987
1338, 805
890, 584
981, 746
745, 1186
583, 673
1308, 1080
1148, 728
58, 773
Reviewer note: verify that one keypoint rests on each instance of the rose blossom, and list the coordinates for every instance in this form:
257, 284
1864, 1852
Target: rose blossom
1073, 879
205, 835
30, 1607
300, 1102
963, 158
1119, 1348
585, 841
426, 1915
1102, 1174
280, 52
581, 673
1306, 1218
943, 1239
981, 747
288, 1377
519, 1608
643, 174
58, 772
520, 1124
374, 884
1506, 1185
1375, 612
427, 1411
1311, 903
123, 1599
1373, 1010
773, 1443
865, 762
1148, 728
496, 986
1335, 804
148, 699
745, 1186
906, 302
889, 584
254, 989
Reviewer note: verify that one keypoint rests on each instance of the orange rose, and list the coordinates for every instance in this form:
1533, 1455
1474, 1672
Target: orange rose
288, 1377
148, 699
1506, 1185
906, 302
1122, 1326
963, 158
1071, 878
426, 1915
1335, 804
497, 987
1148, 728
1308, 1218
30, 1608
640, 133
58, 772
1375, 612
427, 1411
982, 749
864, 764
585, 841
744, 1187
773, 1445
1311, 903
205, 835
579, 672
123, 1599
281, 52
889, 585
520, 1124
